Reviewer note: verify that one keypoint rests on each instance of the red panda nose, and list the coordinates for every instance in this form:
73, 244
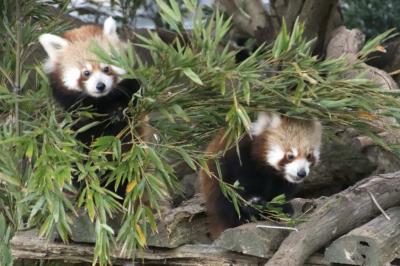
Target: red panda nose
100, 86
301, 173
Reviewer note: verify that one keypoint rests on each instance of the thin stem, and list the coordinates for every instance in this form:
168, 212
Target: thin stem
17, 81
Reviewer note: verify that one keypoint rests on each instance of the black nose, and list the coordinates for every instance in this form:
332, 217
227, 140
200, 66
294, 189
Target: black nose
301, 173
100, 86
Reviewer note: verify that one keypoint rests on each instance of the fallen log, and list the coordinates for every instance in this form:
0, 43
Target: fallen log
338, 215
186, 224
374, 243
27, 245
262, 238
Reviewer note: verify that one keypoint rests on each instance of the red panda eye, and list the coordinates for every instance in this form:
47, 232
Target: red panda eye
86, 73
309, 156
290, 157
106, 69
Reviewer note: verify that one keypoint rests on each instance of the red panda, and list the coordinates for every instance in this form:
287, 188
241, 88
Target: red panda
275, 157
79, 79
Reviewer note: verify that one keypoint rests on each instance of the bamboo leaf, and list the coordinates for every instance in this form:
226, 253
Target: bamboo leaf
131, 186
141, 236
193, 76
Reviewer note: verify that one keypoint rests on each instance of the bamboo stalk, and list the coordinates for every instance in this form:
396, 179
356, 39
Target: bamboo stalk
17, 80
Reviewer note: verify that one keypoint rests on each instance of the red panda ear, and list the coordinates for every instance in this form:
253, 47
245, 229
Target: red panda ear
110, 28
117, 70
52, 44
317, 125
265, 121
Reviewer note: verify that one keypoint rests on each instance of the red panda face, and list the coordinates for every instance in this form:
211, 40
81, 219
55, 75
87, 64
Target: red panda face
95, 80
295, 166
291, 146
72, 60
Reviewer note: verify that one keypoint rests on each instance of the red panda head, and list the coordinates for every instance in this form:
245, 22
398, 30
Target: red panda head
72, 59
289, 145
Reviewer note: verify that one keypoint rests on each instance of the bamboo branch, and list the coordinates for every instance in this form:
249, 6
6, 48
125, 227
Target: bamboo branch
17, 80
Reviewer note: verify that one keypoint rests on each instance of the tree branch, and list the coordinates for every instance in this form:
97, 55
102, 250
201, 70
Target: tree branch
341, 213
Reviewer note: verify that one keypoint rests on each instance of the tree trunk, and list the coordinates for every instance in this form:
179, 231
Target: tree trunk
319, 18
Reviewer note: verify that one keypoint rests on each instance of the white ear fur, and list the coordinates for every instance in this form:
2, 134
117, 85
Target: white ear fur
264, 121
317, 125
52, 44
118, 70
110, 28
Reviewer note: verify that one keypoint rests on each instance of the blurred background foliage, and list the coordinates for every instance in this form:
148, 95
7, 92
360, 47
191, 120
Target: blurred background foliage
194, 90
371, 16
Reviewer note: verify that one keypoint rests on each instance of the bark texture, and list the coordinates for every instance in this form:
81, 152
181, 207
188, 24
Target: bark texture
320, 18
253, 19
347, 43
374, 243
340, 213
26, 245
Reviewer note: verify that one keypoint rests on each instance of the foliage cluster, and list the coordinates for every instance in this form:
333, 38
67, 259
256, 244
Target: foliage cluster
193, 90
371, 16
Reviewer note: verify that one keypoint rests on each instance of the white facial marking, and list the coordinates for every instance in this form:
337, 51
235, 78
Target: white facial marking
316, 153
71, 77
264, 121
102, 65
95, 79
274, 155
295, 152
88, 67
291, 170
110, 28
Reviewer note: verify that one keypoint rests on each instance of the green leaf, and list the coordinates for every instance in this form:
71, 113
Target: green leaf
186, 157
193, 76
90, 206
182, 114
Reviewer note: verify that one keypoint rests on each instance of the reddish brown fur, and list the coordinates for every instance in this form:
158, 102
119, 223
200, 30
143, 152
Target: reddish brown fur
209, 185
291, 133
82, 33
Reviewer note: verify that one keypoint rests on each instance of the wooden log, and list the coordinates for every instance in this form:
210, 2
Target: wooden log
26, 245
338, 215
347, 43
374, 243
186, 224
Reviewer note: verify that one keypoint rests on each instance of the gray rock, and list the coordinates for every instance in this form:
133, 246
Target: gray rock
250, 240
82, 229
